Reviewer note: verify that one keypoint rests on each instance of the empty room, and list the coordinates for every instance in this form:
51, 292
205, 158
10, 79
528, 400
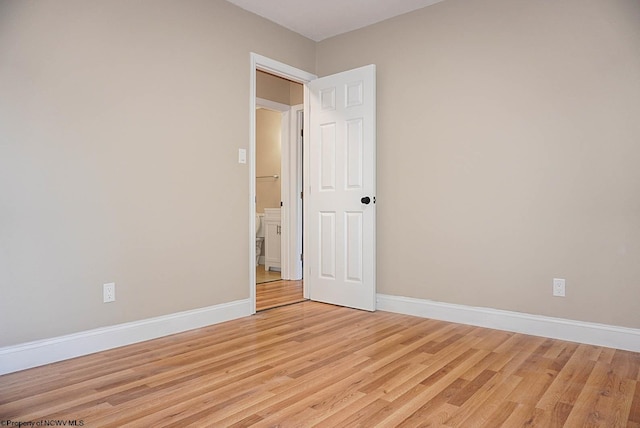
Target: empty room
459, 213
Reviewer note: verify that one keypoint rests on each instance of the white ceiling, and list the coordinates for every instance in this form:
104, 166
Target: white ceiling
320, 19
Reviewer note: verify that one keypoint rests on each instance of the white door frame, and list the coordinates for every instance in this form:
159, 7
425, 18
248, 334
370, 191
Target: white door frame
293, 222
259, 62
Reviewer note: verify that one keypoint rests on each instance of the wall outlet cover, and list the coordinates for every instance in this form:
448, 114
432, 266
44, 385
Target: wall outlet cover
558, 287
109, 292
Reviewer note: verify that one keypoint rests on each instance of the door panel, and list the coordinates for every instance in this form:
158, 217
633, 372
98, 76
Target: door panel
340, 231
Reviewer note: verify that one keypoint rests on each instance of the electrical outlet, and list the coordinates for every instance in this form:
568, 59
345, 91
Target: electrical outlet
109, 292
558, 287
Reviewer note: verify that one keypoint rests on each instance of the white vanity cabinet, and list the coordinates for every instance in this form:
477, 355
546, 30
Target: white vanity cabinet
272, 235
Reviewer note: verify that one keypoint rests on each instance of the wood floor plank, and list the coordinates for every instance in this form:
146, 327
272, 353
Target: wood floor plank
634, 412
626, 364
263, 276
524, 415
278, 293
435, 380
622, 402
311, 364
486, 404
593, 399
431, 406
501, 414
474, 386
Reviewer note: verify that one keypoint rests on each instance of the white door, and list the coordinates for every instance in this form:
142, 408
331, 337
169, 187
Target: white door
340, 222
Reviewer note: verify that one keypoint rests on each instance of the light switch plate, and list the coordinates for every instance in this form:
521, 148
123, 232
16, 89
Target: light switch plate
242, 156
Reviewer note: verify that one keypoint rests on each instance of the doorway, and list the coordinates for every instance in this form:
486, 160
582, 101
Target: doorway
339, 170
278, 174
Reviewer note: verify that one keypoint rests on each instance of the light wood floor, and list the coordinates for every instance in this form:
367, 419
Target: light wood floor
279, 293
315, 364
266, 275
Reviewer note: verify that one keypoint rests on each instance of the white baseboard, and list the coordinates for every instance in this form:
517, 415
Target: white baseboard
41, 352
537, 325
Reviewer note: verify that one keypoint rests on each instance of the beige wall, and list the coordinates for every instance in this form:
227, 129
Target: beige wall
120, 124
277, 89
508, 153
296, 93
268, 136
268, 158
272, 87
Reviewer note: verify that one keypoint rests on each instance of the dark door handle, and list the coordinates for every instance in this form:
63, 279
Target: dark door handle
366, 200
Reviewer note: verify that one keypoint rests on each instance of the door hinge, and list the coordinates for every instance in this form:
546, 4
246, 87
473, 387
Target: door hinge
301, 195
301, 132
301, 257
